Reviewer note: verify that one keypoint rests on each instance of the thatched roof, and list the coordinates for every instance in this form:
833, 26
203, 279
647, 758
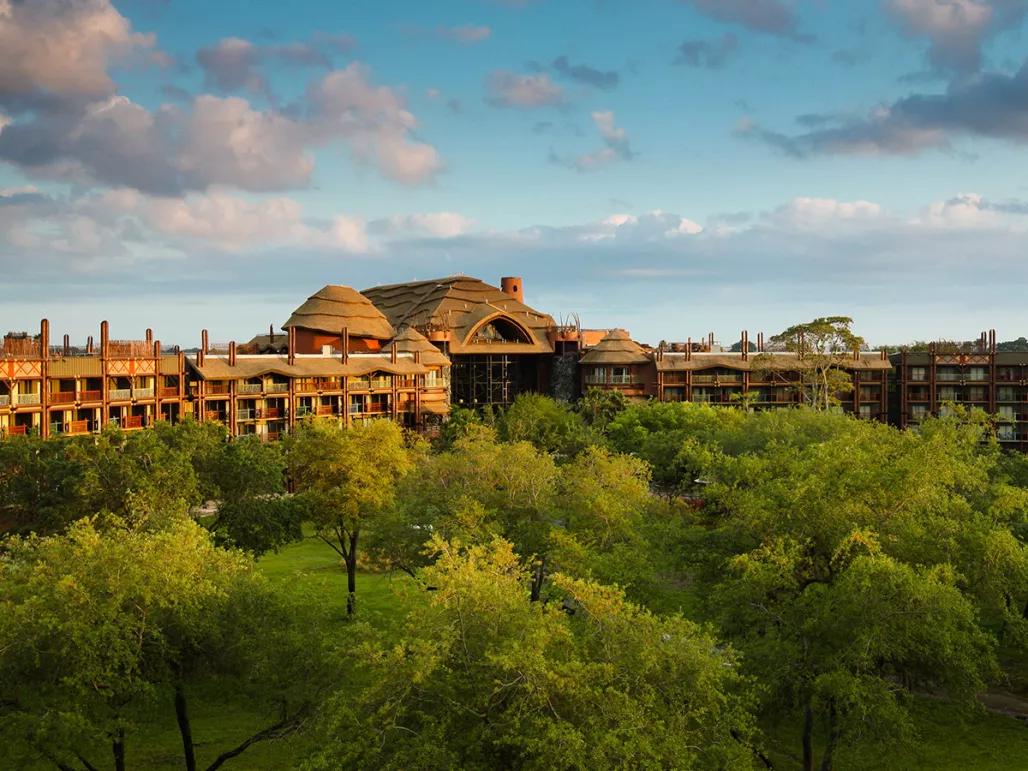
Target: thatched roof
409, 340
616, 348
218, 368
333, 307
457, 307
782, 361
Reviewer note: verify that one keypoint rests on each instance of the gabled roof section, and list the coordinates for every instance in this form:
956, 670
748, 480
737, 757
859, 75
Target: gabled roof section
616, 348
333, 307
459, 307
409, 340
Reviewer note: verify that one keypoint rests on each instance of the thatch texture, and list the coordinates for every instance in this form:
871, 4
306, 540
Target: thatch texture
457, 307
616, 348
409, 340
333, 307
218, 368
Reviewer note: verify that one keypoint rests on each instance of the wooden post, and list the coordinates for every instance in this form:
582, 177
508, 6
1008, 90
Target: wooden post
105, 411
44, 377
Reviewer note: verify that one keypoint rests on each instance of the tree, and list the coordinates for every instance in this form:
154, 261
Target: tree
253, 512
821, 347
40, 486
96, 625
481, 678
863, 565
548, 424
347, 479
599, 406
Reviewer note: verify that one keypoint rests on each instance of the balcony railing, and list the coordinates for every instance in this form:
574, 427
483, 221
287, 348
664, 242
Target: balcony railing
214, 415
327, 384
27, 400
143, 393
119, 394
91, 396
249, 388
78, 427
246, 414
326, 409
17, 430
5, 400
216, 389
277, 388
622, 380
303, 411
360, 383
169, 392
132, 421
62, 397
381, 382
271, 412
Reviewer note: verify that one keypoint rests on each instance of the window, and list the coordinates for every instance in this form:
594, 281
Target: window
598, 375
918, 412
918, 373
620, 375
1006, 394
976, 373
867, 411
500, 331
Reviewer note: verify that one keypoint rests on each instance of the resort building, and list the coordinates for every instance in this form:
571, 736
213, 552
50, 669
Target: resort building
408, 352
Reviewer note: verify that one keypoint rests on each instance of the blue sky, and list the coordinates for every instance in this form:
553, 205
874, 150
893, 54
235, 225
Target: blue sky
673, 166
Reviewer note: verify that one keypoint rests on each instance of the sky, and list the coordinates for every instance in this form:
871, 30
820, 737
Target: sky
669, 166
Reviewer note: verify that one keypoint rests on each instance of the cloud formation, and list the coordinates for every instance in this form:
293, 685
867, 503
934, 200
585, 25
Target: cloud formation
615, 144
58, 50
221, 140
234, 64
772, 17
955, 29
511, 89
606, 80
992, 105
709, 54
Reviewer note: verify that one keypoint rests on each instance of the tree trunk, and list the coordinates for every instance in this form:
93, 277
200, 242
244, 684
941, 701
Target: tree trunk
833, 738
184, 728
351, 576
808, 738
118, 748
537, 579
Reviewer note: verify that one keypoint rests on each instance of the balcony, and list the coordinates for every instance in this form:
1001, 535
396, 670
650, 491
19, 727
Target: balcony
249, 388
246, 414
62, 397
214, 415
143, 393
216, 389
5, 401
949, 377
381, 382
271, 413
27, 400
303, 411
91, 396
277, 388
76, 427
132, 421
622, 380
328, 384
169, 392
18, 430
119, 394
326, 409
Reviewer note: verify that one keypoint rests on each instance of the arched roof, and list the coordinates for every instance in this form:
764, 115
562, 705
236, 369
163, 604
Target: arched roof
333, 307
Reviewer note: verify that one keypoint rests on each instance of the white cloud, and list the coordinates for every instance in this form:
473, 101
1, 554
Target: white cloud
615, 140
955, 29
62, 48
374, 122
511, 89
445, 224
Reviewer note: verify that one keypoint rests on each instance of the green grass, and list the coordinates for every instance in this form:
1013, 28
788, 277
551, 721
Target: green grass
310, 572
948, 740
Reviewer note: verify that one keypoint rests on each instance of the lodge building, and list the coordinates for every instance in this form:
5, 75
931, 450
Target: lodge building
409, 351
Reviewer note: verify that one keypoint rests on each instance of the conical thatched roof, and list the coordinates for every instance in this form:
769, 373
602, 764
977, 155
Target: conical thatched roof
333, 307
616, 348
409, 340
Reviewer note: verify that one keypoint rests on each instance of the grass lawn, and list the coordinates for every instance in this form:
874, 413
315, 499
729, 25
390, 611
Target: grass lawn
950, 740
312, 572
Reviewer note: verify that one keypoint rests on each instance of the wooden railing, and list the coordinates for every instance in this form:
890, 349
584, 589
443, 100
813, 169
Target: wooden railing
17, 430
78, 427
326, 409
169, 392
132, 421
216, 389
277, 388
62, 397
271, 412
91, 396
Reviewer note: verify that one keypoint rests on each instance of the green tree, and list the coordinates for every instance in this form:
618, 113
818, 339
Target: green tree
551, 426
347, 479
599, 406
97, 625
40, 486
481, 678
821, 348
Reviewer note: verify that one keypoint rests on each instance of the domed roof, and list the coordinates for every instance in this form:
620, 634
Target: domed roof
333, 307
616, 348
